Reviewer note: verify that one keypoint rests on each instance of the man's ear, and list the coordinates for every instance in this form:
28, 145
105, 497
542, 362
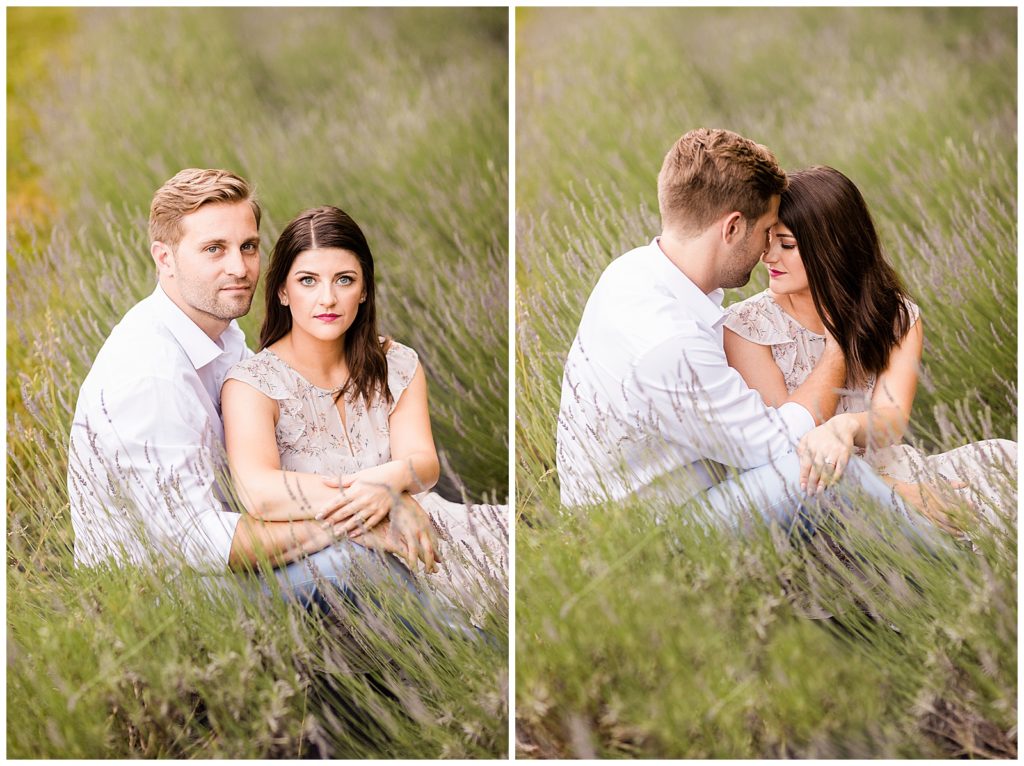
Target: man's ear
733, 226
163, 256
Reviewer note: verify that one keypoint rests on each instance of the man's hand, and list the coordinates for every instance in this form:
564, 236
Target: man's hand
824, 453
408, 533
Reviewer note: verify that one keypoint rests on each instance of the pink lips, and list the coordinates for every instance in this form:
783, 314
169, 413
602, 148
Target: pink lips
327, 317
774, 273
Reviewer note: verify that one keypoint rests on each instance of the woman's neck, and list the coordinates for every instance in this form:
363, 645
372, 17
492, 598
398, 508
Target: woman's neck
800, 306
321, 362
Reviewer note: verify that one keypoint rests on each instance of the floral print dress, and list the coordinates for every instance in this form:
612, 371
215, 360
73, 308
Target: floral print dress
989, 467
312, 438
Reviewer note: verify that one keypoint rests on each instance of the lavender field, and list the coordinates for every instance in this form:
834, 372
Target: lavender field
638, 639
399, 116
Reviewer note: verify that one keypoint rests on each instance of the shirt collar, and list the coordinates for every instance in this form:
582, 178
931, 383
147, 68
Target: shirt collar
199, 347
707, 306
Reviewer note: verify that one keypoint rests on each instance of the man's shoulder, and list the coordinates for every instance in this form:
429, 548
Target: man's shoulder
139, 347
632, 268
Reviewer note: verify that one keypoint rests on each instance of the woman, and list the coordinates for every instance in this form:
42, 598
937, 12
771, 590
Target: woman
329, 420
827, 274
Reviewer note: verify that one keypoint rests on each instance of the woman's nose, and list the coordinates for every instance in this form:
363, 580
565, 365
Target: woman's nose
327, 297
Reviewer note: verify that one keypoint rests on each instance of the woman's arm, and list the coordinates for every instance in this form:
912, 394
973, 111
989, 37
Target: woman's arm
825, 451
756, 366
267, 492
413, 467
887, 419
818, 394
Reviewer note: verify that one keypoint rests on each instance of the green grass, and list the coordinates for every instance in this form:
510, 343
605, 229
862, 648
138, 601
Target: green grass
639, 639
400, 118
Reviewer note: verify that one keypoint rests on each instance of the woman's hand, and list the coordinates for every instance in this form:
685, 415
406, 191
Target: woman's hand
360, 505
933, 502
408, 533
824, 453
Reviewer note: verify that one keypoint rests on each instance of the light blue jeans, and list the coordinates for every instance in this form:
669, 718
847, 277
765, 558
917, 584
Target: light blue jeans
353, 574
774, 491
317, 579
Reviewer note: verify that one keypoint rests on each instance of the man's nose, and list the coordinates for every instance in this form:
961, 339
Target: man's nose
234, 263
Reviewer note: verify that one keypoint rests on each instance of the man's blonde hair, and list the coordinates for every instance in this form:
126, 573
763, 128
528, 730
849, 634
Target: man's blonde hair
711, 172
188, 191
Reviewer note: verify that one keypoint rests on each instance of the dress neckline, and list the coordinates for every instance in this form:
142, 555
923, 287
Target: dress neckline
302, 377
793, 320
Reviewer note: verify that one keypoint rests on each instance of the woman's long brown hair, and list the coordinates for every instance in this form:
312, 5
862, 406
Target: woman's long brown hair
856, 292
331, 227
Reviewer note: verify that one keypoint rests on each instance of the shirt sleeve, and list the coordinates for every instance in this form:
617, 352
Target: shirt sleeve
160, 458
699, 401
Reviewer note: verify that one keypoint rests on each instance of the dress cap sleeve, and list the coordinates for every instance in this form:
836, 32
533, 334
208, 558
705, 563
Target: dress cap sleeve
264, 372
402, 363
759, 320
915, 311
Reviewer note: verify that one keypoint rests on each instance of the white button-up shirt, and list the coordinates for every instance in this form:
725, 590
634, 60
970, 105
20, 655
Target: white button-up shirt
147, 443
648, 391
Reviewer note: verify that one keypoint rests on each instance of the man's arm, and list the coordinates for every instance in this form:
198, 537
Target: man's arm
702, 403
279, 542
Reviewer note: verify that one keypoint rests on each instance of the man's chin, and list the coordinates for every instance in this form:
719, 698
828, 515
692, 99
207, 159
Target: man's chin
738, 282
233, 309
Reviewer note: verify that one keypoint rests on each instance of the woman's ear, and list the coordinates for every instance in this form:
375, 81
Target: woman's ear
282, 297
362, 298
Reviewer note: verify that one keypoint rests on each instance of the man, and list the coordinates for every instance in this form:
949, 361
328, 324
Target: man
649, 403
146, 472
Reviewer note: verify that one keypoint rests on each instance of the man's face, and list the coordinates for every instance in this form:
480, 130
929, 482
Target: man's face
748, 251
213, 271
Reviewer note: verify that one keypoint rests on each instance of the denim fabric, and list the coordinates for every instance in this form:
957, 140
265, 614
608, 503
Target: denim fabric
774, 491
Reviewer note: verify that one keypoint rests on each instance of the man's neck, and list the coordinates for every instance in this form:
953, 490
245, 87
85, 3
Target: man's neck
209, 324
694, 256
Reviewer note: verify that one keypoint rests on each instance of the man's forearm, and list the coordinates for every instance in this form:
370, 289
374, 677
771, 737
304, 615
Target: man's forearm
279, 542
819, 393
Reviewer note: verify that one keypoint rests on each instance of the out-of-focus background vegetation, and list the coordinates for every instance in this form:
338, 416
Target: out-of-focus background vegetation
398, 116
640, 639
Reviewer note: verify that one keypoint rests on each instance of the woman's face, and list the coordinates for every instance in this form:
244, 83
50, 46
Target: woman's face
785, 269
323, 291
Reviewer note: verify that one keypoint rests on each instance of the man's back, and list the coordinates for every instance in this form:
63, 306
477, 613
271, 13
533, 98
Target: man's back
603, 429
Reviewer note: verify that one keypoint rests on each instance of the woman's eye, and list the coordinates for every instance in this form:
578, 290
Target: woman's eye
344, 280
307, 281
789, 247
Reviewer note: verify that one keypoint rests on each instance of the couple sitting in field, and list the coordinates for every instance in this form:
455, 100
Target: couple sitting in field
775, 398
327, 430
